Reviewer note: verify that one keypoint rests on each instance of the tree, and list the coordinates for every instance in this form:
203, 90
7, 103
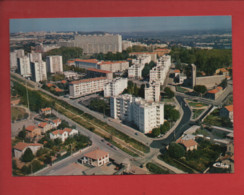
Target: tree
22, 134
176, 150
48, 159
165, 127
27, 156
200, 89
156, 132
35, 166
57, 141
169, 93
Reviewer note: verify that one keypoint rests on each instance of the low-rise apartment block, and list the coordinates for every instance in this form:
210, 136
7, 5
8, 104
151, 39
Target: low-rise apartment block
115, 87
144, 115
113, 66
86, 86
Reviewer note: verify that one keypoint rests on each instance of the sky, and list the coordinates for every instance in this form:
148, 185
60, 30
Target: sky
121, 24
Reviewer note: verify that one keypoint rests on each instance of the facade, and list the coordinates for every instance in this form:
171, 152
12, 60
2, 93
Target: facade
45, 127
161, 52
135, 71
19, 53
54, 64
214, 93
99, 43
90, 63
227, 111
35, 57
142, 59
113, 66
20, 148
24, 66
38, 71
126, 44
152, 92
93, 72
95, 158
136, 110
115, 87
46, 111
63, 134
159, 72
152, 54
13, 61
86, 86
32, 131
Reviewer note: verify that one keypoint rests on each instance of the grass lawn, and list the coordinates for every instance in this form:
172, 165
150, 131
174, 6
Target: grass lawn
197, 113
180, 89
196, 104
18, 113
155, 169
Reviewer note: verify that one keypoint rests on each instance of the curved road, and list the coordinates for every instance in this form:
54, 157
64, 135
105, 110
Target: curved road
182, 126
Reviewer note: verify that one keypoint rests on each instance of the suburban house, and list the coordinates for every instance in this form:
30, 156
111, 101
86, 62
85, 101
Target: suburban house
176, 72
46, 111
63, 134
21, 147
45, 127
214, 93
188, 143
55, 123
95, 158
227, 111
32, 131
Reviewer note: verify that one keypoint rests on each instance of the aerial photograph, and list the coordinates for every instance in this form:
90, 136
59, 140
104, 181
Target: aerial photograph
121, 95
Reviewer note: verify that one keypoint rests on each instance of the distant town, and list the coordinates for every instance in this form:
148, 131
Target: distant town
98, 103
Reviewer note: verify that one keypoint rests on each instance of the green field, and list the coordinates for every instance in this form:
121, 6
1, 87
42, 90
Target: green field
197, 113
18, 113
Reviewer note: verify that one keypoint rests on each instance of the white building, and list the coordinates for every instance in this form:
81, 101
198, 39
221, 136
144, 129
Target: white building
152, 92
21, 147
24, 66
98, 43
13, 61
136, 110
142, 59
38, 71
95, 158
35, 57
113, 66
126, 44
19, 53
152, 54
63, 134
54, 64
115, 87
159, 72
71, 75
86, 86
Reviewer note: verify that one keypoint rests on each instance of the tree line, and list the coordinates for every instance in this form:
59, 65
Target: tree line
205, 60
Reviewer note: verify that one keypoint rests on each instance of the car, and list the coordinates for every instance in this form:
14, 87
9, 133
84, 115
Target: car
109, 144
136, 133
109, 164
102, 140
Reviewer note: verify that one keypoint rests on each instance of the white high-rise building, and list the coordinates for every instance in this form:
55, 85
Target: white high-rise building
19, 53
54, 64
159, 72
35, 57
142, 59
135, 71
152, 92
24, 66
13, 61
38, 71
115, 87
143, 114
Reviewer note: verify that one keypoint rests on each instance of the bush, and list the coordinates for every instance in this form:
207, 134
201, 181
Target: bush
176, 150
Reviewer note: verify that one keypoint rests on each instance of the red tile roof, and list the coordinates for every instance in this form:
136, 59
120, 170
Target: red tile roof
58, 132
111, 62
98, 70
45, 109
229, 108
30, 128
96, 154
216, 90
134, 53
88, 80
22, 145
63, 81
58, 89
177, 71
187, 143
67, 129
56, 121
42, 124
88, 60
50, 84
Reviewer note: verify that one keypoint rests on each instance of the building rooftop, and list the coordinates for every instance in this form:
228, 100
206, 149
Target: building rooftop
30, 128
216, 90
42, 124
45, 109
22, 145
110, 62
96, 154
87, 60
229, 108
88, 80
